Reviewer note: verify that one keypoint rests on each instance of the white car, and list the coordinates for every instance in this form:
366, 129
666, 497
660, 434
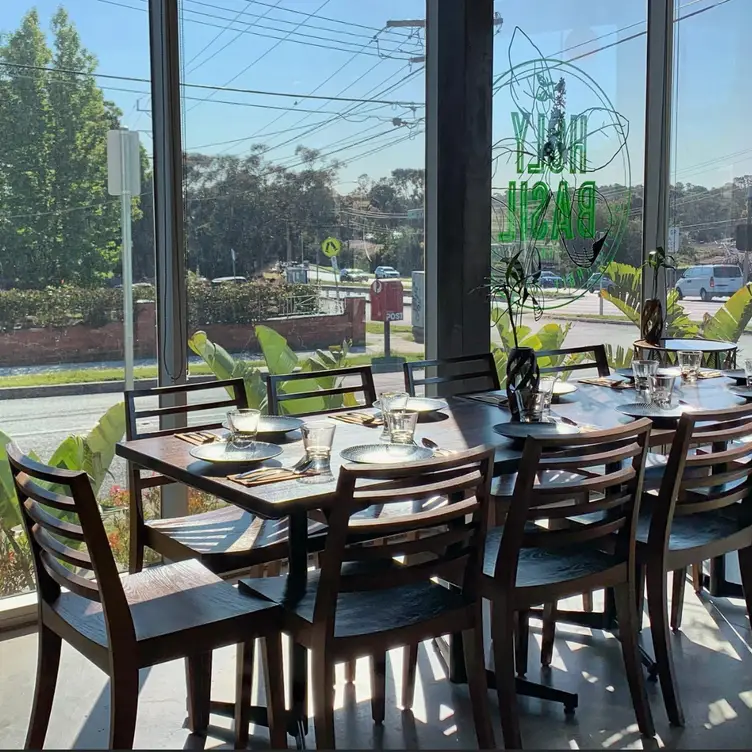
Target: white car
707, 282
386, 272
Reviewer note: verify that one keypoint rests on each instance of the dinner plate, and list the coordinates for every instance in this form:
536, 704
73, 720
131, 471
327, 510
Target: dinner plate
220, 451
743, 391
385, 454
274, 427
514, 430
627, 373
421, 404
563, 387
642, 410
737, 374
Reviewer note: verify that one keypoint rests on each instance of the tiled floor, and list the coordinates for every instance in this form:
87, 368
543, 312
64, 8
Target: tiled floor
713, 657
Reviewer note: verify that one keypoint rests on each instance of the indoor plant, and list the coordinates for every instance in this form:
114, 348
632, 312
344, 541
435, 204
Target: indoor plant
651, 319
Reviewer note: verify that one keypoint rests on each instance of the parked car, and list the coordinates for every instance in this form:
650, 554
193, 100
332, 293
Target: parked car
385, 272
549, 279
599, 282
229, 281
707, 282
352, 275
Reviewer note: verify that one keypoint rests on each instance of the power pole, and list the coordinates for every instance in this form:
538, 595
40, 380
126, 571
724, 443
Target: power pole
289, 243
749, 234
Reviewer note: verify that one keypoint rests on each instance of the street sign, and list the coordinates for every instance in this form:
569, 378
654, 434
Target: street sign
123, 163
331, 247
335, 265
387, 300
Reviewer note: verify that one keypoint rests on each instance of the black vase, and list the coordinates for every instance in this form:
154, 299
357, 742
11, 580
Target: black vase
522, 375
651, 321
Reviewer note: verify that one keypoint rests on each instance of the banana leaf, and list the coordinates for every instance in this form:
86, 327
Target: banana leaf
626, 294
729, 322
9, 514
619, 357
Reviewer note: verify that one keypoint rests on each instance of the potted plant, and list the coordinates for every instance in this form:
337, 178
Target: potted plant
651, 319
515, 285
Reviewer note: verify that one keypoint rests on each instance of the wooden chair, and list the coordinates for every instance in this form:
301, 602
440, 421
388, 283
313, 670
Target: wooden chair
702, 510
225, 540
527, 564
476, 370
302, 385
125, 624
597, 353
363, 602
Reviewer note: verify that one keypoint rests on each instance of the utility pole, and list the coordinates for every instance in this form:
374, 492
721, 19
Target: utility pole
749, 234
289, 243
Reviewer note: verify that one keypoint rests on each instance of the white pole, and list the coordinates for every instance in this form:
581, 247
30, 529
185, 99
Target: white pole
125, 214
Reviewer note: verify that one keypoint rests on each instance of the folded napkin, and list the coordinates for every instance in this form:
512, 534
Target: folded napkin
605, 381
709, 374
490, 399
265, 475
443, 453
197, 438
360, 419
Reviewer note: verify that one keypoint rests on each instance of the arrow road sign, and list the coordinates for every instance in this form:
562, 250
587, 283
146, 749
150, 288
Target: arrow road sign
331, 247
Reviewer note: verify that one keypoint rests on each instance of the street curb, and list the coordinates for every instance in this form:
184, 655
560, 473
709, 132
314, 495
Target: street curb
85, 388
587, 320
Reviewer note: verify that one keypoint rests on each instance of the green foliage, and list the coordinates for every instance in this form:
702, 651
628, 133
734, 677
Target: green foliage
729, 322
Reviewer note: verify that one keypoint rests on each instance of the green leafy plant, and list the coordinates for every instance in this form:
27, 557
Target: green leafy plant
658, 260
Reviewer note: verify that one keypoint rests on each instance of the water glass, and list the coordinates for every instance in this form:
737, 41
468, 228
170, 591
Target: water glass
401, 424
531, 405
643, 370
689, 363
546, 388
391, 401
243, 424
318, 437
748, 371
662, 389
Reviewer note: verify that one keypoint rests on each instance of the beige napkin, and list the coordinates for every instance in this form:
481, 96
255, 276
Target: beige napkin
197, 438
709, 374
360, 419
265, 475
605, 381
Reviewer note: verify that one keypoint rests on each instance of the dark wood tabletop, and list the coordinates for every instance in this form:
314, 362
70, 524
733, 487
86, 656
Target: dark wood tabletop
465, 424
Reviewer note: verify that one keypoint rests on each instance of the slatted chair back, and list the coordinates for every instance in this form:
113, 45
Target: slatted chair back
595, 476
709, 468
563, 362
332, 391
68, 542
444, 540
138, 417
463, 375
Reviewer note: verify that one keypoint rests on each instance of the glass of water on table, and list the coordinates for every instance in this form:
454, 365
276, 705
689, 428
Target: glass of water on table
243, 424
318, 437
391, 401
748, 371
643, 370
689, 363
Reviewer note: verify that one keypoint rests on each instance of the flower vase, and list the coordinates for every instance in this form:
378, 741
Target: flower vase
522, 375
651, 321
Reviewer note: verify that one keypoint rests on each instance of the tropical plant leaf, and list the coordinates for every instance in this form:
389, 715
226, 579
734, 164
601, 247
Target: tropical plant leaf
626, 292
279, 356
9, 514
729, 322
618, 356
99, 444
678, 323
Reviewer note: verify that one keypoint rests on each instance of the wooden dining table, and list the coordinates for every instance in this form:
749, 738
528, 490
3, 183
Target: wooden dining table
465, 423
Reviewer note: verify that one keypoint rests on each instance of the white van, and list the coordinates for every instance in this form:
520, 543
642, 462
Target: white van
707, 282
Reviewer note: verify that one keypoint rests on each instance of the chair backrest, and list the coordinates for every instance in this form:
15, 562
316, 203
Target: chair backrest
709, 468
330, 391
463, 375
597, 472
134, 414
562, 361
445, 540
68, 541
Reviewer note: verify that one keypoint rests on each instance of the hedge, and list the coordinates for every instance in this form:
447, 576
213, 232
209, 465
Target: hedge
226, 304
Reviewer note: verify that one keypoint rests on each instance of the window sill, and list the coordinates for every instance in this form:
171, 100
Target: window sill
18, 611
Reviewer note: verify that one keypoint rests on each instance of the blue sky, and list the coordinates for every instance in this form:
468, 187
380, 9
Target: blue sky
276, 46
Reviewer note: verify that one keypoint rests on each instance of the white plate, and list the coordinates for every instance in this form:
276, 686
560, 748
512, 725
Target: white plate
421, 404
642, 410
385, 454
515, 430
223, 452
274, 425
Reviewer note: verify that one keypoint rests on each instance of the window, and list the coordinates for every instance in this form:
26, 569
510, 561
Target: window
61, 241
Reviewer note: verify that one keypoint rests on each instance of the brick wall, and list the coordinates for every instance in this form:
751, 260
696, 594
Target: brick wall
82, 344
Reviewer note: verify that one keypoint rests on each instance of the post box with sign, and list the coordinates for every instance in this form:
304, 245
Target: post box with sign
387, 305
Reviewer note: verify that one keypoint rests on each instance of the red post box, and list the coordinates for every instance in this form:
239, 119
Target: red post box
386, 300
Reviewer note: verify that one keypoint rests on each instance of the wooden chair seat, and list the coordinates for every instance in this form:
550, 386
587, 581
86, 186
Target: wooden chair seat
167, 604
363, 613
564, 566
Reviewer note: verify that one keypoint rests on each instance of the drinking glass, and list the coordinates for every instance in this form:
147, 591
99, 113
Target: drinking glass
643, 370
748, 371
318, 436
662, 389
531, 405
391, 401
689, 363
402, 425
546, 388
243, 424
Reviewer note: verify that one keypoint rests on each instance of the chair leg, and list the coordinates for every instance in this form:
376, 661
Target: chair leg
502, 632
48, 663
275, 691
522, 631
378, 687
243, 687
322, 672
745, 567
476, 678
135, 522
123, 707
697, 577
625, 613
587, 602
350, 670
198, 678
640, 594
548, 633
677, 597
658, 613
409, 673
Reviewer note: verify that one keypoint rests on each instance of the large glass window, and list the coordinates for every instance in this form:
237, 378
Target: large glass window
69, 74
568, 124
304, 178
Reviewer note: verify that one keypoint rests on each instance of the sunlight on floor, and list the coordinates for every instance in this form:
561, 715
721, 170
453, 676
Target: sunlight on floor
719, 712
